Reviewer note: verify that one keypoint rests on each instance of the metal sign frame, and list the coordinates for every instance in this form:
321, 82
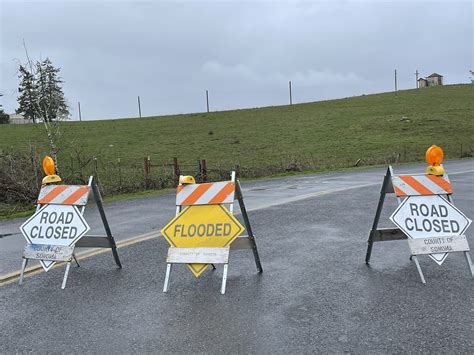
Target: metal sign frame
389, 234
202, 256
87, 241
240, 243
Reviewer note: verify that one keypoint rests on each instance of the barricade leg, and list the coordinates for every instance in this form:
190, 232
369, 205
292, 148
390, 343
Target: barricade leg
167, 278
23, 267
383, 192
66, 273
415, 259
224, 278
250, 234
100, 207
75, 259
469, 262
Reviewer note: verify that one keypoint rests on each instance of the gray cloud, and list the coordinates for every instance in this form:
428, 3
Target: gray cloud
244, 52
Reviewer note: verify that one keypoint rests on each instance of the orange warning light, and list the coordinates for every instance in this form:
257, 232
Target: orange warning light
434, 155
48, 165
49, 170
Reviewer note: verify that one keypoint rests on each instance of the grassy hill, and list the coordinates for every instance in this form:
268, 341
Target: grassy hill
310, 136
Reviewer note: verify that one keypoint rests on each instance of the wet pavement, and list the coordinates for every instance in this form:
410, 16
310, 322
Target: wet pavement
316, 293
132, 218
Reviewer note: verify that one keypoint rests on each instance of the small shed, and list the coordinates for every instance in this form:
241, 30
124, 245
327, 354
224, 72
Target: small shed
435, 79
422, 83
16, 118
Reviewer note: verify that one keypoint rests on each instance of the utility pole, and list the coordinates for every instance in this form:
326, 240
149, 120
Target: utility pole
79, 107
139, 108
416, 73
291, 99
207, 100
396, 88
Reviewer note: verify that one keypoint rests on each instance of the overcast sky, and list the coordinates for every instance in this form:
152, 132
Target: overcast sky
243, 52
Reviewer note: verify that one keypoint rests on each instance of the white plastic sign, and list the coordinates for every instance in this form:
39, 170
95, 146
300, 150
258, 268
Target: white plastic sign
430, 216
61, 225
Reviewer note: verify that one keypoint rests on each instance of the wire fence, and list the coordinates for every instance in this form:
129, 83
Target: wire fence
21, 173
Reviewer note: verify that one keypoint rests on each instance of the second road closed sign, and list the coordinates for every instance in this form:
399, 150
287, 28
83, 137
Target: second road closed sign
430, 216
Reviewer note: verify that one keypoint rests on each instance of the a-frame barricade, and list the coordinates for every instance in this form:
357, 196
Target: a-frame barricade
223, 193
404, 186
69, 195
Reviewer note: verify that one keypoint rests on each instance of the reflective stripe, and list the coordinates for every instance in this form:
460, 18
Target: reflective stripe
64, 195
416, 185
196, 194
205, 194
442, 183
399, 192
401, 188
223, 193
76, 195
51, 193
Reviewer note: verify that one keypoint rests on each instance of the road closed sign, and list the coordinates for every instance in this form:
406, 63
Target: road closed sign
58, 225
430, 216
202, 226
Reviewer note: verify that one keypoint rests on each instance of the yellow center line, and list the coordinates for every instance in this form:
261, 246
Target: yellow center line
10, 277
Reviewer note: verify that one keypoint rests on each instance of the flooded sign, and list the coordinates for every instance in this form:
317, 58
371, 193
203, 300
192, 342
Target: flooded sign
202, 226
433, 218
54, 225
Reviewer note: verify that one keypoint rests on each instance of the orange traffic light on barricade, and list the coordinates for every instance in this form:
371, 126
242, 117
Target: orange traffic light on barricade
50, 171
434, 157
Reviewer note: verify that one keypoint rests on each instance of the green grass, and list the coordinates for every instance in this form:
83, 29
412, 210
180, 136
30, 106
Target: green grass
336, 131
15, 211
267, 141
318, 136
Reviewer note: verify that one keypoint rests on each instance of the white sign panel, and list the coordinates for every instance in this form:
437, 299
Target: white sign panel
430, 216
48, 252
61, 225
420, 246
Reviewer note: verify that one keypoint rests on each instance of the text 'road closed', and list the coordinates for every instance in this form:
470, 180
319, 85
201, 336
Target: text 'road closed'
429, 216
55, 225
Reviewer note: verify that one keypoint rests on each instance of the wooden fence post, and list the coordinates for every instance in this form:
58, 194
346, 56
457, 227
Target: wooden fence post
176, 172
203, 170
120, 173
198, 175
237, 170
147, 169
96, 170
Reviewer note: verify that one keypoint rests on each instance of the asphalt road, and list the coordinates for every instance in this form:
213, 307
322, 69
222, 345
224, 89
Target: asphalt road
316, 293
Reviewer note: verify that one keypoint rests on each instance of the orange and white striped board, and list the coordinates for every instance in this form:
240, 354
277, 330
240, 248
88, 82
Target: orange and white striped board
64, 195
421, 185
213, 193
